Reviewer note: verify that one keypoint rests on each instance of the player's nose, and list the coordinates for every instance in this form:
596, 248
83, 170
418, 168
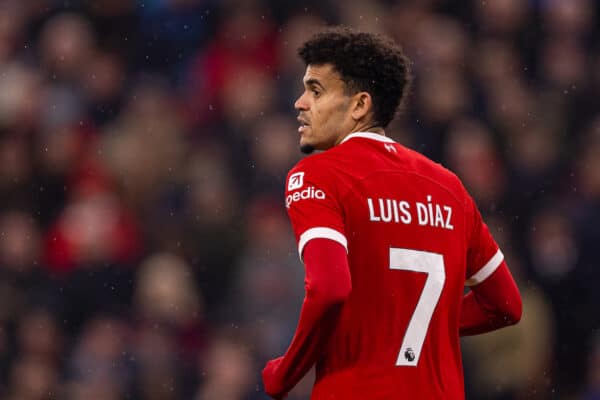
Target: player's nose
301, 103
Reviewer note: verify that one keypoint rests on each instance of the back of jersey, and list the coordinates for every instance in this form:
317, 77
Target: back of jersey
413, 236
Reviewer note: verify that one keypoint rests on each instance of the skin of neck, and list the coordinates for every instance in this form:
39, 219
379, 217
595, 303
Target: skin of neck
362, 126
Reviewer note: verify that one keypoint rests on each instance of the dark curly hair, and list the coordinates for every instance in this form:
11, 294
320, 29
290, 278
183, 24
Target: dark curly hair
366, 62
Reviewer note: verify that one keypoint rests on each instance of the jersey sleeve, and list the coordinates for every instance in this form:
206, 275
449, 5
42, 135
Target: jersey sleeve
311, 199
483, 254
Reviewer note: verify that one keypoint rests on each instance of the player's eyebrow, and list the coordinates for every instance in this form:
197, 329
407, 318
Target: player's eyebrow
314, 82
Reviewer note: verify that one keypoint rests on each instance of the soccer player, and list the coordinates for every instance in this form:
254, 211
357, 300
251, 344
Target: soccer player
389, 240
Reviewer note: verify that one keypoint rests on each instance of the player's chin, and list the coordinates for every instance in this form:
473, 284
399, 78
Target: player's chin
306, 146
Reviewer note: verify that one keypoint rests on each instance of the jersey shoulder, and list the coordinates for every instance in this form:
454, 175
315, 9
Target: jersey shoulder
424, 167
315, 167
451, 183
313, 162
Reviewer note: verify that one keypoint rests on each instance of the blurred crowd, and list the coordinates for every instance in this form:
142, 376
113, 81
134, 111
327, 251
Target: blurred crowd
145, 252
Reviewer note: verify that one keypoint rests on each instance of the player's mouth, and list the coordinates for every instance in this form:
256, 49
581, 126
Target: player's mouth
303, 124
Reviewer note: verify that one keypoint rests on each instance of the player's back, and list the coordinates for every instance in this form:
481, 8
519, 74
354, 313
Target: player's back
405, 221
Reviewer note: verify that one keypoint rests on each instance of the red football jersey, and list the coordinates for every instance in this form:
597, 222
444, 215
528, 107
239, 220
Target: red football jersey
414, 239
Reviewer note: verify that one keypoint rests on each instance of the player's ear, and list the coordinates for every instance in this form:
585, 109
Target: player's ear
362, 105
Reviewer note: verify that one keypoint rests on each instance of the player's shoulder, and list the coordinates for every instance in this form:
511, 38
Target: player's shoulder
441, 175
315, 164
316, 170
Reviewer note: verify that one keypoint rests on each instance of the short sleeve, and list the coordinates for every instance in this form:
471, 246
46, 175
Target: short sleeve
311, 200
483, 254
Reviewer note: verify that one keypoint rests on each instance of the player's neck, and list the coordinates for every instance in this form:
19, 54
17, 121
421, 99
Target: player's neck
363, 128
367, 126
375, 129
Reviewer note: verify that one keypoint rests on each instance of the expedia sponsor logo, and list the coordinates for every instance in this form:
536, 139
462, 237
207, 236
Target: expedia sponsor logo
309, 193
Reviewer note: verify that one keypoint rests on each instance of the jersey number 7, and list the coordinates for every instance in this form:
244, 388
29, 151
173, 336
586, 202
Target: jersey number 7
433, 265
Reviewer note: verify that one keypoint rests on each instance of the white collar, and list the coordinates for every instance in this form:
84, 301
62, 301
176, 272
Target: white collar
368, 135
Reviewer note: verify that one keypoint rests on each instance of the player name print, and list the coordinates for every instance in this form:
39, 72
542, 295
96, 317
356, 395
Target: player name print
425, 213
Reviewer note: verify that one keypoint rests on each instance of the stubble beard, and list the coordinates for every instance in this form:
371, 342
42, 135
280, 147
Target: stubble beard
307, 148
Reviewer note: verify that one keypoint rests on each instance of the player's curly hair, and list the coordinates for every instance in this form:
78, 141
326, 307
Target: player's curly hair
366, 62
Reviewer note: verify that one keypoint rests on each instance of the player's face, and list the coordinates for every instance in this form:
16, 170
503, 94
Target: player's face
324, 109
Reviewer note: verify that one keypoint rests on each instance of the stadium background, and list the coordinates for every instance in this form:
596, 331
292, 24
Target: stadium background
144, 248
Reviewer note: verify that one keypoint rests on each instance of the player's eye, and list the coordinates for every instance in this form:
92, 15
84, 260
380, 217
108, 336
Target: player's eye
316, 93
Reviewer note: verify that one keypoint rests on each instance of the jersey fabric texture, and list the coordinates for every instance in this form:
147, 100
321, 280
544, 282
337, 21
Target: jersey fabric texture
414, 239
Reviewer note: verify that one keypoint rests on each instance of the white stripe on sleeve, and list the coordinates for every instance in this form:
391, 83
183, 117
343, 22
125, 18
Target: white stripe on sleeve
321, 232
487, 270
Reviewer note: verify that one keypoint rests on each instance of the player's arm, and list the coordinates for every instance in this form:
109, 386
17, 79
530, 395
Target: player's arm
494, 300
327, 286
491, 304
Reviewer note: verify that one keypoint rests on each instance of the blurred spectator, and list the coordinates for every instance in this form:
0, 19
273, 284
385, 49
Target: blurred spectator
103, 84
60, 154
295, 31
567, 18
501, 18
159, 372
166, 297
434, 54
563, 63
534, 160
514, 363
47, 347
245, 43
92, 230
66, 42
170, 334
172, 31
269, 285
495, 60
213, 239
366, 16
274, 151
441, 97
473, 157
100, 356
22, 280
150, 122
32, 379
19, 99
553, 248
12, 23
227, 371
16, 174
593, 377
511, 105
